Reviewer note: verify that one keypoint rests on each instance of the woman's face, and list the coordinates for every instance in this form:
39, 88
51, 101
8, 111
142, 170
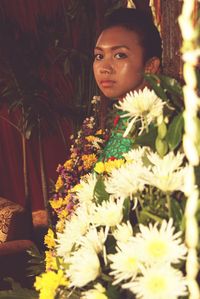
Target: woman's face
118, 65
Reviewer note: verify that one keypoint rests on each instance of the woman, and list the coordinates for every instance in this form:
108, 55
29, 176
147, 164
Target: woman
128, 47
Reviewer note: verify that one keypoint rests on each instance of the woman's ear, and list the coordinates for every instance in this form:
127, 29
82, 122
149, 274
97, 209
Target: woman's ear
152, 65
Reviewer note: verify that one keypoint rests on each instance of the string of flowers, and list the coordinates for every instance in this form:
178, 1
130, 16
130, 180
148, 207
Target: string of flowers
191, 55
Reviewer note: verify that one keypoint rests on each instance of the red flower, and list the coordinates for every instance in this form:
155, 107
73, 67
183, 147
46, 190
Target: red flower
116, 120
112, 158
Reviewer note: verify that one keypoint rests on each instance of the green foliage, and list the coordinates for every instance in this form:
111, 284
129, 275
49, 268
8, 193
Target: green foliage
175, 132
100, 193
17, 292
36, 263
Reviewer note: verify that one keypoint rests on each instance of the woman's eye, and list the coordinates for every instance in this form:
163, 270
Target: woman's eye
120, 55
98, 56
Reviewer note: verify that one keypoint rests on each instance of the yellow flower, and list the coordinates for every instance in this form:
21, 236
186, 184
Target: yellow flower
76, 188
99, 132
68, 164
50, 261
63, 214
48, 284
59, 183
60, 225
89, 160
113, 164
99, 167
49, 239
90, 138
56, 203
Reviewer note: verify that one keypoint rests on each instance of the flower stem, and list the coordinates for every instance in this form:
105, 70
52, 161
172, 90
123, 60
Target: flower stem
169, 204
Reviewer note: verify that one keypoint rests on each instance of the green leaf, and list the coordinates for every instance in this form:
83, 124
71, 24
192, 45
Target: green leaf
174, 133
113, 292
126, 209
18, 292
155, 82
177, 212
100, 193
147, 139
171, 85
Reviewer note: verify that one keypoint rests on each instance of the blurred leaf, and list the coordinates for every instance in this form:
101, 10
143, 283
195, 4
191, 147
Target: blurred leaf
175, 131
147, 139
100, 193
126, 209
155, 82
171, 85
36, 263
113, 292
18, 292
177, 213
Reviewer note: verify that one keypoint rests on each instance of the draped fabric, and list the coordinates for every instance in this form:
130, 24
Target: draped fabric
29, 34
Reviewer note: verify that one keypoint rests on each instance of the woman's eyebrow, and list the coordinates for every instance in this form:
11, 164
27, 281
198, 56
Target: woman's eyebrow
112, 48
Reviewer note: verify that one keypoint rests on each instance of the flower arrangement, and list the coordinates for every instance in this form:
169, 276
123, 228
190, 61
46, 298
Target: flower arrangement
121, 222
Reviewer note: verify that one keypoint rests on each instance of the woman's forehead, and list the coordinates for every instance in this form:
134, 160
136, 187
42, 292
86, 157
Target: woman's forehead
116, 36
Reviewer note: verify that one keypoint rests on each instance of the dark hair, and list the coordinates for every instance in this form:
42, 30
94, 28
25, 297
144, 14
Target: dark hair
142, 24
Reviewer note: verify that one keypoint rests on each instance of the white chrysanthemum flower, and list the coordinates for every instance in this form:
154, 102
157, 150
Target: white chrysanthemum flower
160, 245
125, 181
143, 105
159, 282
166, 173
84, 267
98, 292
109, 213
136, 155
123, 232
93, 239
124, 263
86, 190
74, 229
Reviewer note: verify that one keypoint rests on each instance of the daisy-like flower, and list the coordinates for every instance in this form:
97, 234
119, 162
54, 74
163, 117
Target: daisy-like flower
123, 232
109, 213
166, 173
76, 227
159, 282
160, 245
85, 193
136, 155
93, 239
84, 266
125, 181
124, 263
98, 292
144, 106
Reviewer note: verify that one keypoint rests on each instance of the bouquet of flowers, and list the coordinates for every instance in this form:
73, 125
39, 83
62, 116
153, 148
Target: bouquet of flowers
121, 222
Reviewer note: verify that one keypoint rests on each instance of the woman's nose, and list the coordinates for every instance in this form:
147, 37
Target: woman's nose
106, 68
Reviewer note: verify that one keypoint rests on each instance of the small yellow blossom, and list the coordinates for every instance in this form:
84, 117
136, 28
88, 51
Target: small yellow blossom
60, 225
56, 203
89, 161
49, 239
99, 167
50, 261
76, 188
68, 164
99, 132
90, 138
63, 214
48, 284
113, 164
59, 183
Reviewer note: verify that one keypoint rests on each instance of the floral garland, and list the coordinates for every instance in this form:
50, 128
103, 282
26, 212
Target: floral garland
122, 221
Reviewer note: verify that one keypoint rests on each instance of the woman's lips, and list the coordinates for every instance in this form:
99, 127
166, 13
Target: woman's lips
107, 83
